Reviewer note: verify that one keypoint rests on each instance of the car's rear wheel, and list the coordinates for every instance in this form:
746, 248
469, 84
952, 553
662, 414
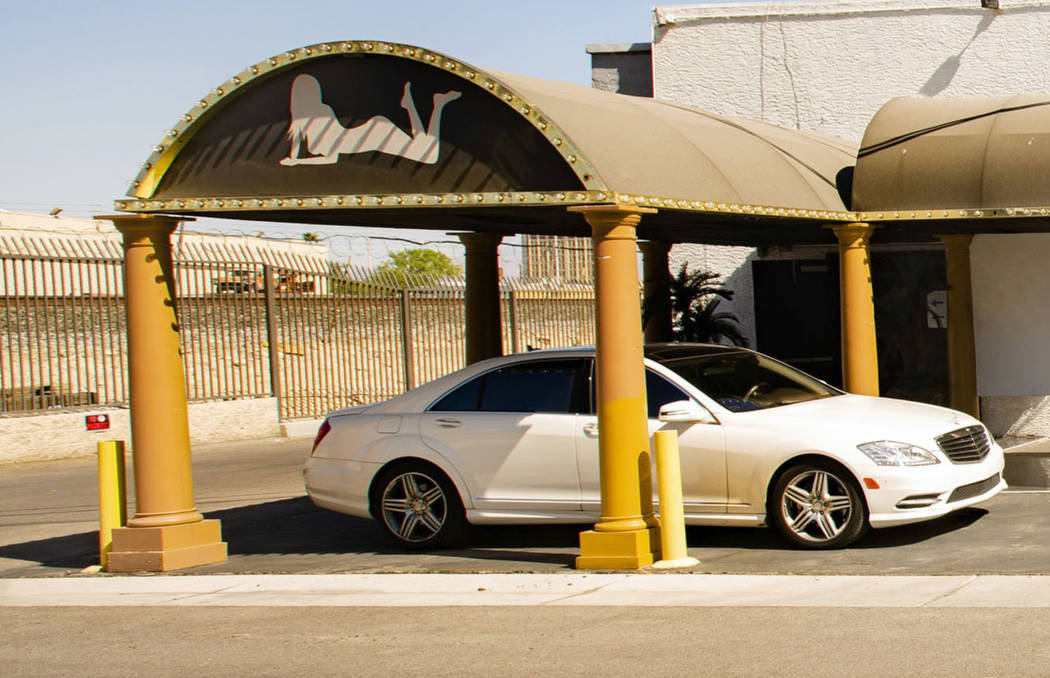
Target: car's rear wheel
417, 506
818, 505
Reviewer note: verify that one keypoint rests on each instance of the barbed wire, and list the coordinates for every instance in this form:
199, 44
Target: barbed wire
259, 229
342, 247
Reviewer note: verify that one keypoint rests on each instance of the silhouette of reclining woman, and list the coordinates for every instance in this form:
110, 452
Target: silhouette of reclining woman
314, 122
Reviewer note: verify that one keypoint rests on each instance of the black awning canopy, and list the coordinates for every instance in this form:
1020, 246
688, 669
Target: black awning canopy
378, 134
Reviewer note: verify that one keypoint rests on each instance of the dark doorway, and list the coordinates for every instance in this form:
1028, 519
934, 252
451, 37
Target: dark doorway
797, 320
797, 314
910, 322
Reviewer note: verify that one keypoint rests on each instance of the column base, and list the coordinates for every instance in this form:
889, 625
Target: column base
160, 549
629, 550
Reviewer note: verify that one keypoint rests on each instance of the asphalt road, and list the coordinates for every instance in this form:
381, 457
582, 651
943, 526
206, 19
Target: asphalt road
48, 524
472, 641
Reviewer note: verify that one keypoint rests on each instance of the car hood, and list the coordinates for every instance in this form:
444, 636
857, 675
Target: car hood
858, 419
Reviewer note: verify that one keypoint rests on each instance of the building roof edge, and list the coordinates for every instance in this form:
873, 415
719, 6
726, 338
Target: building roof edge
670, 15
619, 47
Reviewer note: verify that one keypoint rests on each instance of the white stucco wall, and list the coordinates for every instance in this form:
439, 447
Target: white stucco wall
1011, 291
63, 434
734, 265
1012, 327
829, 66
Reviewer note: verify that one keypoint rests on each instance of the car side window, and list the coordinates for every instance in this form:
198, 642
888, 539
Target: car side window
540, 386
461, 399
659, 392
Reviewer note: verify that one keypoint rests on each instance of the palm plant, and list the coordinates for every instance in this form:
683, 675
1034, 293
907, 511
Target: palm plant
694, 300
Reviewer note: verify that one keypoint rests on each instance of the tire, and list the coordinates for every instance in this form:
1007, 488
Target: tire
417, 506
818, 505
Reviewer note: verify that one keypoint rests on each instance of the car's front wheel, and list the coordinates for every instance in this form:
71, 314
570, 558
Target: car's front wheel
417, 506
818, 505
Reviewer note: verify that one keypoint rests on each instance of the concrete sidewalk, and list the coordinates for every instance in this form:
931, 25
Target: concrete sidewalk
514, 590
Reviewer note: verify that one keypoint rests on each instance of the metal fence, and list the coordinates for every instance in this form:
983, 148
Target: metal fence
317, 336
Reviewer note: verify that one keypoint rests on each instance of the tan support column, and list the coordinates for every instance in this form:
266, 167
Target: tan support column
860, 359
627, 536
167, 532
484, 328
656, 290
962, 350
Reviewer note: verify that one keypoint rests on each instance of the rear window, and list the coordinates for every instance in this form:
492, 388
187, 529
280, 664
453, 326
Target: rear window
541, 386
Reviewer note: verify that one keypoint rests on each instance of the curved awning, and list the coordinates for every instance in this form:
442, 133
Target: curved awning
961, 159
373, 133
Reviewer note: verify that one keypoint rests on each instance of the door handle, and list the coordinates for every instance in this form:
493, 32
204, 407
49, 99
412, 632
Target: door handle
591, 430
448, 422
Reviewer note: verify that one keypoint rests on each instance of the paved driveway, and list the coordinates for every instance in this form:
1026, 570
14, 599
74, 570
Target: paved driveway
48, 522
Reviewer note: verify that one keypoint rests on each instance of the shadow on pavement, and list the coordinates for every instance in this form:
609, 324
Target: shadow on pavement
294, 526
291, 527
70, 552
768, 539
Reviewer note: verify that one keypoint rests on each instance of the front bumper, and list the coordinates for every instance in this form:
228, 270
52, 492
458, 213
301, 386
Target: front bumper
911, 495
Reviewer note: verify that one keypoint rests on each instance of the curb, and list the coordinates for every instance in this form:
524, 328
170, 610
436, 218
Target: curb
515, 590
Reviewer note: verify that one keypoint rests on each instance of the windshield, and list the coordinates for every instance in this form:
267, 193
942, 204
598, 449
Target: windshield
741, 380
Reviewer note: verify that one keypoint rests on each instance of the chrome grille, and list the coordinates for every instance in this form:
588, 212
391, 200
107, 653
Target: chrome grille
965, 446
973, 489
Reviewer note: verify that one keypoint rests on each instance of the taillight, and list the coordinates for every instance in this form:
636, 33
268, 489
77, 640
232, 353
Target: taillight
321, 433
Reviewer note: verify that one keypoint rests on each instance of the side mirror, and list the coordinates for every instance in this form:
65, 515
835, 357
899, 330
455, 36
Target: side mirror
685, 411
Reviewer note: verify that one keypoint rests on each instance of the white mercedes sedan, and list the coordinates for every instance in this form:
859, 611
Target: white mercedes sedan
515, 440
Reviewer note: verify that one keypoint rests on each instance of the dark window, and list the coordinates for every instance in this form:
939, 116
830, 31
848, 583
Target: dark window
659, 392
462, 399
540, 386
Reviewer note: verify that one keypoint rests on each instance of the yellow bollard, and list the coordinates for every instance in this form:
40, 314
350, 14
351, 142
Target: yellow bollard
672, 513
112, 495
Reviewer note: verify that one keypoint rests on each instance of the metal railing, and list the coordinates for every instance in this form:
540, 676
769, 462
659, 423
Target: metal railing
253, 323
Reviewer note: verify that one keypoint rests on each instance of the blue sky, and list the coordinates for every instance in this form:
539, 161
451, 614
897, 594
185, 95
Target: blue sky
89, 87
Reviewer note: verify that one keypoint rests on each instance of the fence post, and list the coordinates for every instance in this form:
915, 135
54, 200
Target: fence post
406, 340
513, 312
271, 335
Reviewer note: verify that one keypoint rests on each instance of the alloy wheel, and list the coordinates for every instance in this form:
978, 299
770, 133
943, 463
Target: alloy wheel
414, 507
816, 506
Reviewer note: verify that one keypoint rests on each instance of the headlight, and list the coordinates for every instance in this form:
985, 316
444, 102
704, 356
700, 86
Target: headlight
889, 453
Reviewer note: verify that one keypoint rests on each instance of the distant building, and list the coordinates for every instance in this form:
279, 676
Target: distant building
40, 255
557, 257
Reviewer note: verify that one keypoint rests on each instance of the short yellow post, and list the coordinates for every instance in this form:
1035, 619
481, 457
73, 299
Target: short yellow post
672, 512
112, 495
